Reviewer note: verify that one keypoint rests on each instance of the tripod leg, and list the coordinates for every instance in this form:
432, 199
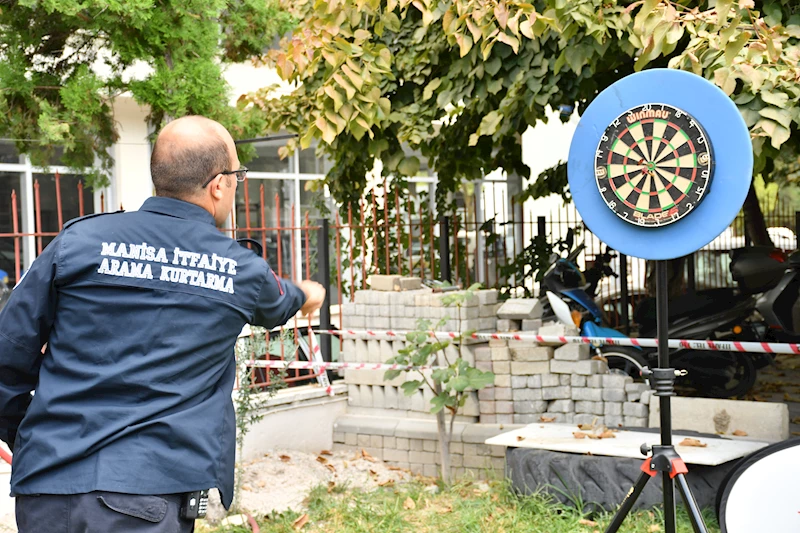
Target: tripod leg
669, 504
691, 505
627, 503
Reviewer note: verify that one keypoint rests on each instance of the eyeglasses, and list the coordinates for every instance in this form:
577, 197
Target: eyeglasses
240, 173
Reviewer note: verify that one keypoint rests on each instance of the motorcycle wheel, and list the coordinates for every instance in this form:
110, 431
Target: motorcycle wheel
624, 360
741, 375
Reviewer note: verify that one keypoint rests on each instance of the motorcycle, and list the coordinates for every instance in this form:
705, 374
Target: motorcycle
693, 316
5, 291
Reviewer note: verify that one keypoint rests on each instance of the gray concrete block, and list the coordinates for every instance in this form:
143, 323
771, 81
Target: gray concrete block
482, 353
365, 395
378, 397
564, 380
395, 456
520, 309
586, 394
635, 421
577, 381
390, 397
363, 440
614, 421
353, 395
429, 445
356, 322
418, 402
488, 419
362, 351
338, 437
635, 410
502, 380
561, 406
527, 394
530, 406
562, 418
528, 418
361, 297
612, 409
495, 343
573, 352
553, 329
471, 407
503, 407
484, 366
402, 443
410, 284
528, 368
502, 393
486, 394
531, 353
563, 367
562, 392
534, 381
594, 408
504, 420
351, 439
594, 381
519, 382
501, 353
614, 395
382, 282
488, 324
502, 367
487, 296
585, 418
376, 441
381, 323
366, 425
487, 407
422, 457
531, 325
615, 381
647, 397
550, 380
505, 325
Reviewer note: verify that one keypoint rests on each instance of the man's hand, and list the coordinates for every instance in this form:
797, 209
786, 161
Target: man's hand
315, 295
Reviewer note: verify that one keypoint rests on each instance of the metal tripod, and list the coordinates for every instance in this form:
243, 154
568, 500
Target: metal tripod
664, 458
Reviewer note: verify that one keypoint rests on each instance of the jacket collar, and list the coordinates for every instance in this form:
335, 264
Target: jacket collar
177, 208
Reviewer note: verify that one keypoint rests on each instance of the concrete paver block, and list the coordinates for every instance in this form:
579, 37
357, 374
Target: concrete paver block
520, 309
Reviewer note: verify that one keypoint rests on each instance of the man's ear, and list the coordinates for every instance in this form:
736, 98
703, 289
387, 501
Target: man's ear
216, 189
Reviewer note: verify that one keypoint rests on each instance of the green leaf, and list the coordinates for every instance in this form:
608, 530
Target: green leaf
481, 380
724, 80
410, 387
492, 66
776, 98
391, 374
510, 40
432, 86
409, 166
734, 47
781, 116
438, 403
460, 383
723, 9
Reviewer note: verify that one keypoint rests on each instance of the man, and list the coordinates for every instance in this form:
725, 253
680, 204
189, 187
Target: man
140, 312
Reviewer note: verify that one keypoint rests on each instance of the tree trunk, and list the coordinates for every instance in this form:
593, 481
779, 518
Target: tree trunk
444, 437
755, 225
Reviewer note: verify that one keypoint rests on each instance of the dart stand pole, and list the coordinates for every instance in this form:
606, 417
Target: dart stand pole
664, 458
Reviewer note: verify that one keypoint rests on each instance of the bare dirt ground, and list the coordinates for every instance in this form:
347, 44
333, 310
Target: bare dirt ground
781, 383
282, 479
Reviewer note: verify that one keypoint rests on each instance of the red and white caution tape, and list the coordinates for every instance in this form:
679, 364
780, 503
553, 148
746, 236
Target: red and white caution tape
321, 365
714, 346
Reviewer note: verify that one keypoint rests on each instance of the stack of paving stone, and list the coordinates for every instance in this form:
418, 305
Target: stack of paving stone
396, 303
519, 314
536, 383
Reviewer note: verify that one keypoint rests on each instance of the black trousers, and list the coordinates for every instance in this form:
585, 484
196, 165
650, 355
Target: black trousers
101, 512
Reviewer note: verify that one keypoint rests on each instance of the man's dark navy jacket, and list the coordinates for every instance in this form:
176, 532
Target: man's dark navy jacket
140, 312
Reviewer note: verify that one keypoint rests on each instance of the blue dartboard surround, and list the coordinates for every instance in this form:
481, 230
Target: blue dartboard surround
733, 163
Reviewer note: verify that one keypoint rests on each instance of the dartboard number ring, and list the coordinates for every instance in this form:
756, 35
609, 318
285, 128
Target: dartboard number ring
653, 165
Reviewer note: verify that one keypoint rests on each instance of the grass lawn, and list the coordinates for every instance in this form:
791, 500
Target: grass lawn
467, 507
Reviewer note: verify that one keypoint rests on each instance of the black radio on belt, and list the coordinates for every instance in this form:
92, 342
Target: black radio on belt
194, 504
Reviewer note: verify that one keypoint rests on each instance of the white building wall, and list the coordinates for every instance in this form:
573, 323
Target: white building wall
131, 183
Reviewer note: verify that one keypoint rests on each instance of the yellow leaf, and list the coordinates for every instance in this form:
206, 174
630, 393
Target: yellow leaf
409, 504
510, 40
654, 528
354, 78
526, 28
688, 441
585, 522
300, 522
501, 14
344, 84
362, 35
746, 4
464, 43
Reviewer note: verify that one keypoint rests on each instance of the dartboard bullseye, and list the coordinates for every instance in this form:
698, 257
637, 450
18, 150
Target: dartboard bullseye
653, 165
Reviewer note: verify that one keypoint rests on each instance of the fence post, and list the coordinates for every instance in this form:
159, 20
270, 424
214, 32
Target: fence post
325, 279
623, 281
444, 248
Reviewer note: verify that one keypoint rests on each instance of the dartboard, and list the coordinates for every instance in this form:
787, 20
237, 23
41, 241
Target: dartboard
653, 165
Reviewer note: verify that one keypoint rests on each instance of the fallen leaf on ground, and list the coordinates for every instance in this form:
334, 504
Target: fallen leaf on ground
300, 522
608, 434
330, 467
331, 485
740, 433
367, 456
547, 418
262, 483
326, 452
386, 483
579, 435
588, 426
373, 471
321, 459
520, 437
285, 458
446, 509
409, 504
585, 522
654, 528
692, 442
247, 487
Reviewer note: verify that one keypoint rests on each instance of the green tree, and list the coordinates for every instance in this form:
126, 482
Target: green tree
64, 61
461, 80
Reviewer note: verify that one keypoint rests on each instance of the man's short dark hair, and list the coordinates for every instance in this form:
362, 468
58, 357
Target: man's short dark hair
179, 170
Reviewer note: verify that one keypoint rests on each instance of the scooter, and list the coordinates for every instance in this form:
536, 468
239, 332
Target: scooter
714, 374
